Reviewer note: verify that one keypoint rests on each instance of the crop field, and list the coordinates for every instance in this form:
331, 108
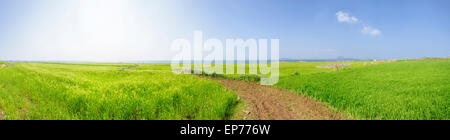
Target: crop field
108, 91
400, 90
287, 69
418, 89
360, 89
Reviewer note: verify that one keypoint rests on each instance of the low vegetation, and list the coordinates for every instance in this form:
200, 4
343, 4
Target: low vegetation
108, 91
404, 89
401, 90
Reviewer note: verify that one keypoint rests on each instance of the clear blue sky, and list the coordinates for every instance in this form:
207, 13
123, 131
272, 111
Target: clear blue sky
121, 30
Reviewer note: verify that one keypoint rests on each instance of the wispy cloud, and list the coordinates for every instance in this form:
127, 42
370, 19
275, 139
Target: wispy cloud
370, 31
347, 18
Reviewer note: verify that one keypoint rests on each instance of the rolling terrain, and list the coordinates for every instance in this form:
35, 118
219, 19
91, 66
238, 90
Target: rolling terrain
406, 89
108, 91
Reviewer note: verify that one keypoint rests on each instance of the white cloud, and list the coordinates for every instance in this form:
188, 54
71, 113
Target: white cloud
370, 31
345, 17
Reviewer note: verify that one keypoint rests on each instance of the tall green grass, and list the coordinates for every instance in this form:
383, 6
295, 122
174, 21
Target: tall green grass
107, 91
401, 90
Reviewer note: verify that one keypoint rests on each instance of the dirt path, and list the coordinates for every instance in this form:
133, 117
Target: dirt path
2, 116
270, 103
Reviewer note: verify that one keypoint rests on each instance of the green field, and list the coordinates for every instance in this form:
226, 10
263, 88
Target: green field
418, 89
396, 90
400, 90
109, 91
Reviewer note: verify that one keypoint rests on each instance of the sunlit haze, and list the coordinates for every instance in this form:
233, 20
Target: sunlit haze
139, 30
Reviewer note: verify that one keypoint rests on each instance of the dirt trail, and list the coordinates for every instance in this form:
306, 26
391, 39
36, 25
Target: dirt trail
270, 103
2, 116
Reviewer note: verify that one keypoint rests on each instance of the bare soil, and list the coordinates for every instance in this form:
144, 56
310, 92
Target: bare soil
2, 116
271, 103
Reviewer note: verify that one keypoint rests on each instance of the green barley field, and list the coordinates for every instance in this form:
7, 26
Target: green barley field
398, 90
109, 91
418, 89
414, 89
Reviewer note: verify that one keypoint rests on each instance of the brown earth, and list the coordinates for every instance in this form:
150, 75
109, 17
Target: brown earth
2, 116
270, 103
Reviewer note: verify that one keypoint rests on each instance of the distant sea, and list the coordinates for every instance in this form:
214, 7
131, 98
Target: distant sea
170, 61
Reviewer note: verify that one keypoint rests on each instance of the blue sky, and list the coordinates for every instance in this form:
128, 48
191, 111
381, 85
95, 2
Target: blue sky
126, 30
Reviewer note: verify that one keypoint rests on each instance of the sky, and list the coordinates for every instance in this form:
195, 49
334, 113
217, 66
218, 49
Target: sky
135, 30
